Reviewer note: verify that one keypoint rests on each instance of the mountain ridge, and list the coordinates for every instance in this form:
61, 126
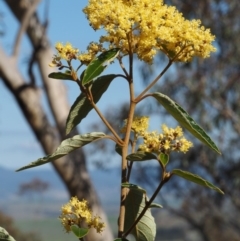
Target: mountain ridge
10, 181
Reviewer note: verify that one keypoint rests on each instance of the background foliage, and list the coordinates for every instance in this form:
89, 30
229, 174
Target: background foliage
210, 91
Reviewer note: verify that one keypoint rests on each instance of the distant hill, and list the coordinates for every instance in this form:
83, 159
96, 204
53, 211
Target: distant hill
106, 183
10, 180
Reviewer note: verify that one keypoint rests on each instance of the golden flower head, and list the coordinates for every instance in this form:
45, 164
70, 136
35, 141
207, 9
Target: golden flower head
170, 140
92, 50
144, 27
67, 51
64, 52
139, 124
76, 212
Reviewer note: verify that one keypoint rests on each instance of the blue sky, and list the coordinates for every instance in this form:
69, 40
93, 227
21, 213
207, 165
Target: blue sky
67, 22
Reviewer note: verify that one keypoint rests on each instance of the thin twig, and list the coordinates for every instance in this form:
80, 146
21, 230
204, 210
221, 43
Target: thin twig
160, 75
138, 98
110, 137
118, 139
123, 68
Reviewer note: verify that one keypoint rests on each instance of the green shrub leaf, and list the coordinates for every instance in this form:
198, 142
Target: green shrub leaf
82, 106
118, 149
133, 186
4, 235
60, 75
79, 232
185, 120
66, 147
97, 65
135, 201
141, 156
164, 158
195, 178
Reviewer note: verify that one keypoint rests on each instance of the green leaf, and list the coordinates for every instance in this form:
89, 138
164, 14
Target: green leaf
60, 75
133, 186
135, 201
118, 149
97, 65
82, 106
164, 158
195, 178
91, 73
79, 232
185, 120
4, 235
66, 147
141, 156
156, 205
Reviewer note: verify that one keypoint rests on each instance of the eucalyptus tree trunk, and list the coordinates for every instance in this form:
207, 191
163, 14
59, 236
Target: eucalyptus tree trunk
72, 168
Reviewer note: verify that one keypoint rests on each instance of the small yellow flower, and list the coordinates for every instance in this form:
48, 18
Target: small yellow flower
65, 52
139, 125
66, 209
75, 212
92, 50
56, 62
178, 132
95, 223
167, 145
171, 133
59, 46
151, 142
185, 145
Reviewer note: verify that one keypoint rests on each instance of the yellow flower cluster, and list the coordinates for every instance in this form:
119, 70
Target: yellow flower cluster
76, 212
145, 26
170, 140
139, 125
66, 52
92, 50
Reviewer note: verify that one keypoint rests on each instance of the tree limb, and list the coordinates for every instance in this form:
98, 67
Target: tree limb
23, 26
72, 169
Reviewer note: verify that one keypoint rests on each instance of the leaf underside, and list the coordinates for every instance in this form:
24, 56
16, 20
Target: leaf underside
4, 235
66, 147
156, 205
135, 201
